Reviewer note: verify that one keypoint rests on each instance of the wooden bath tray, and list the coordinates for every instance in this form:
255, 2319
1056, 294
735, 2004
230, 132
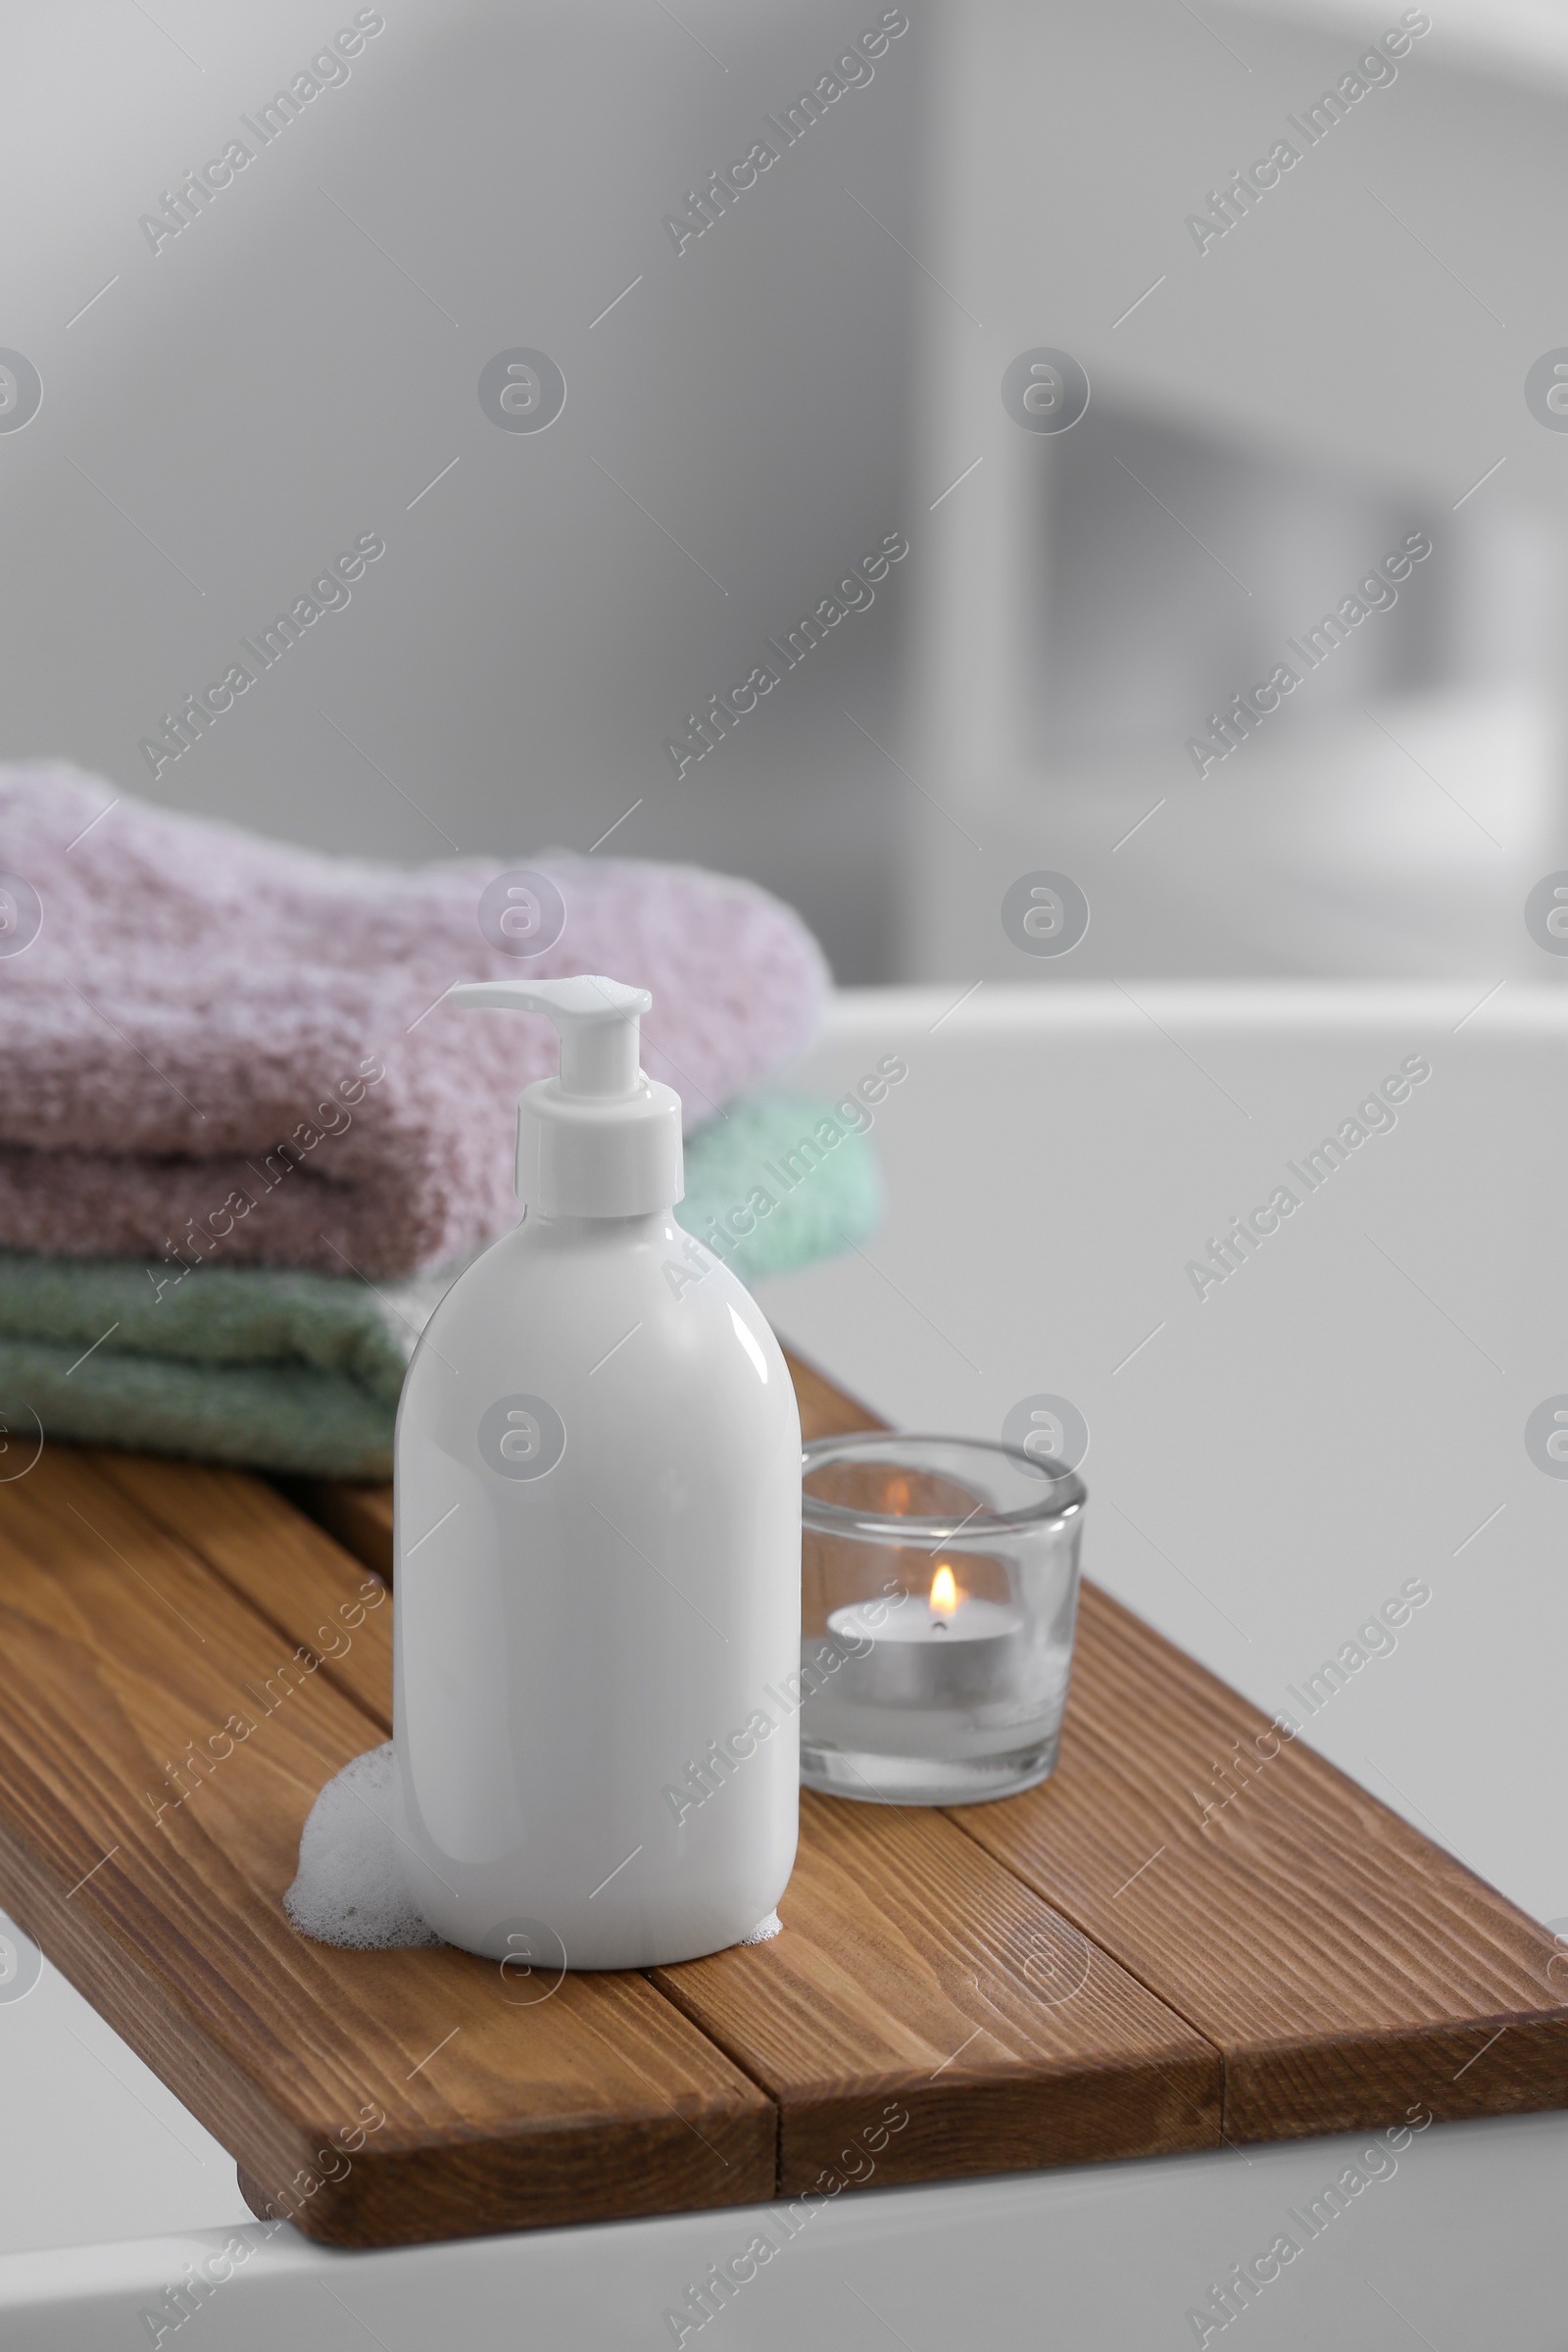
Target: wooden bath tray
1087, 1971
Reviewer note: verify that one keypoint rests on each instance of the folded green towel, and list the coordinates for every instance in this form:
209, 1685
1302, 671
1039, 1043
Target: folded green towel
284, 1369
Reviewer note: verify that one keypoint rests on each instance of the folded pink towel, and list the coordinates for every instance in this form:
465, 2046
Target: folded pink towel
225, 1046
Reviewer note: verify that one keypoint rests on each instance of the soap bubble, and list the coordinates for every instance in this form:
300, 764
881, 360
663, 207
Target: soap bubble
351, 1888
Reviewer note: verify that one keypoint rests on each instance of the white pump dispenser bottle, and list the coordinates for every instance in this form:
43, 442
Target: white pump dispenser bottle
597, 1589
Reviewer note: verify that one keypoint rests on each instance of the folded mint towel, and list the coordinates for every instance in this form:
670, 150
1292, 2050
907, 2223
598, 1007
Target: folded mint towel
281, 1368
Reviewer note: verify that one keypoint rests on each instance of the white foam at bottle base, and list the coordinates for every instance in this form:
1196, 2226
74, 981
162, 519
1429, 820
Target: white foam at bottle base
350, 1890
350, 1886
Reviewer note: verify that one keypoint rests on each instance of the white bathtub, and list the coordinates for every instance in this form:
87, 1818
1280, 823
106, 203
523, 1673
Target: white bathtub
1266, 1464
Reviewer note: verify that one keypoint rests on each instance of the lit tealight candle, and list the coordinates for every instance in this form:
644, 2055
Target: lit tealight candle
939, 1585
955, 1649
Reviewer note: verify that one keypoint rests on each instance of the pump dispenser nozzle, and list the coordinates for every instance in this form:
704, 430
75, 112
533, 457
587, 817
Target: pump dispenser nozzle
601, 1139
594, 1019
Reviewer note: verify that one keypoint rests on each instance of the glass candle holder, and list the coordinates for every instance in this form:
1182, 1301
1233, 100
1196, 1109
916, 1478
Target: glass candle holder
939, 1594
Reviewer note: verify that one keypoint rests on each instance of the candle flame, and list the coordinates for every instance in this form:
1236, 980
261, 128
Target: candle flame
944, 1592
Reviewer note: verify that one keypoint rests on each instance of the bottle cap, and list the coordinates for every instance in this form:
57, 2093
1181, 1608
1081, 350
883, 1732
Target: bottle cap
601, 1140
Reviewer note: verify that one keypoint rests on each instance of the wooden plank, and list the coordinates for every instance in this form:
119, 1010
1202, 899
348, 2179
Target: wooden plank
920, 1990
1014, 2074
1345, 1967
289, 1569
126, 1653
1092, 1969
990, 2079
826, 1409
1348, 1967
359, 1518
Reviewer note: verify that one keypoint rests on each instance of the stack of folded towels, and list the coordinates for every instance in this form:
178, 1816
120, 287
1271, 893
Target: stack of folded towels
245, 1143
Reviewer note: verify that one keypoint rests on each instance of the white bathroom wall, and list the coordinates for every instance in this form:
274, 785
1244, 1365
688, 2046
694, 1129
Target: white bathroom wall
300, 364
1351, 356
821, 367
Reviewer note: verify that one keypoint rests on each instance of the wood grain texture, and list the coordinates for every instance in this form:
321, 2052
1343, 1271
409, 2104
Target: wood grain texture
921, 1988
359, 1517
289, 1570
1092, 1969
825, 1409
126, 1653
915, 1969
1346, 1966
